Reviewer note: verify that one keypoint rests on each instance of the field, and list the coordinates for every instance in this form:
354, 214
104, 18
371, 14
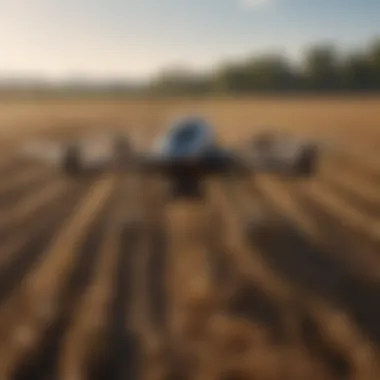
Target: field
104, 279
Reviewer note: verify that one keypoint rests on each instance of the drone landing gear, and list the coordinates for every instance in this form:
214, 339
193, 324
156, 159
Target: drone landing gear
307, 164
71, 164
186, 187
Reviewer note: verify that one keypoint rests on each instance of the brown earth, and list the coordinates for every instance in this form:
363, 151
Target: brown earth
105, 279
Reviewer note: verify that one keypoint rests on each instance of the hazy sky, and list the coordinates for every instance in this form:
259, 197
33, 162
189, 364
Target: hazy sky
138, 37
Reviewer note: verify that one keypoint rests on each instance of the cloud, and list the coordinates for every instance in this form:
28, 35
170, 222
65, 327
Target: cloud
255, 3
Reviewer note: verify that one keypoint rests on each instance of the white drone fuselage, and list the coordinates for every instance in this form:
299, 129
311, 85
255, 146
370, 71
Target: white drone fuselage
188, 151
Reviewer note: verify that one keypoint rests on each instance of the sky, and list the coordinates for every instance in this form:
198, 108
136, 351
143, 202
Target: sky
138, 38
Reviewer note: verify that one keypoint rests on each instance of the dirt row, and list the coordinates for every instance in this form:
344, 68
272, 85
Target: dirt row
264, 278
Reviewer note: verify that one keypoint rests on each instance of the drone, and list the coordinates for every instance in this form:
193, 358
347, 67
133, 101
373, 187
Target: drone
188, 152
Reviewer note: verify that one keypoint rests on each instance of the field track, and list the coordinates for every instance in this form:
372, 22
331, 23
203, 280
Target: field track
265, 278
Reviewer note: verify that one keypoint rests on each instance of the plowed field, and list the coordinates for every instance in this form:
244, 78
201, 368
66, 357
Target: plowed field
265, 278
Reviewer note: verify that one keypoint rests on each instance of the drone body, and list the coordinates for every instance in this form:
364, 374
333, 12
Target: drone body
185, 154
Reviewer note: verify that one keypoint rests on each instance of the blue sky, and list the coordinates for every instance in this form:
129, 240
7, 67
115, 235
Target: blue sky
110, 38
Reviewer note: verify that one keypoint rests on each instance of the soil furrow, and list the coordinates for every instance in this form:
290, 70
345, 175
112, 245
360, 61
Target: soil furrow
354, 186
13, 164
19, 217
306, 261
367, 200
34, 307
22, 252
316, 272
317, 224
20, 180
261, 307
347, 159
86, 349
354, 220
194, 296
43, 361
149, 308
122, 359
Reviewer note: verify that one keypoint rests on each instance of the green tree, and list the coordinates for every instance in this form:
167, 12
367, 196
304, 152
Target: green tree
272, 73
374, 62
180, 81
268, 73
356, 73
322, 70
232, 78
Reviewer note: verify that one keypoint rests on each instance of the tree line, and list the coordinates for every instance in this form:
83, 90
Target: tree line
322, 70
